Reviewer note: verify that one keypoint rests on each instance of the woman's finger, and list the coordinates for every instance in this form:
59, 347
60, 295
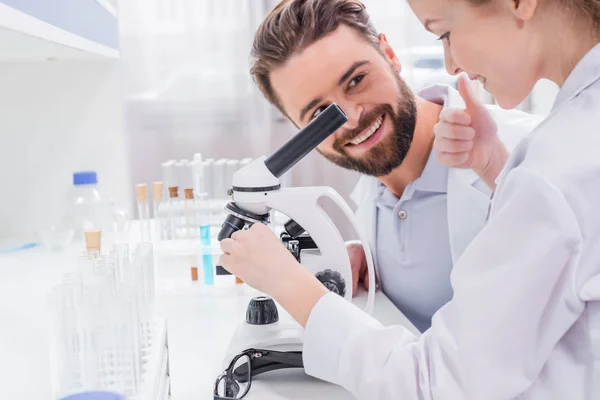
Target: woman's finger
453, 160
236, 235
453, 131
228, 246
455, 116
453, 145
226, 262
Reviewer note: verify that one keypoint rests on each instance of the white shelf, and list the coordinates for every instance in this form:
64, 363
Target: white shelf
26, 38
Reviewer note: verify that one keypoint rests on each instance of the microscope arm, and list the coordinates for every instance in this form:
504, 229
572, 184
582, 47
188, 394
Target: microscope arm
301, 205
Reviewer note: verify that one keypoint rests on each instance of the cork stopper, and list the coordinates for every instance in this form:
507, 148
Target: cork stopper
142, 192
194, 273
189, 194
157, 188
93, 239
173, 191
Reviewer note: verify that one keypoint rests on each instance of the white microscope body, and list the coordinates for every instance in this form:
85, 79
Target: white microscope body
256, 191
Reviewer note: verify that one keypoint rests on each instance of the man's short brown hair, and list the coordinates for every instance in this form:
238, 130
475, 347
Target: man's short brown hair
294, 25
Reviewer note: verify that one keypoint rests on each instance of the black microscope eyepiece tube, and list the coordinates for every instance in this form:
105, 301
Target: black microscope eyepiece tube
306, 140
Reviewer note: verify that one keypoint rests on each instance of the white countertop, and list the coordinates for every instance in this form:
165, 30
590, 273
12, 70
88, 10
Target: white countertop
200, 320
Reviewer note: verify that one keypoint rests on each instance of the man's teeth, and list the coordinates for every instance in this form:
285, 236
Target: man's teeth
369, 132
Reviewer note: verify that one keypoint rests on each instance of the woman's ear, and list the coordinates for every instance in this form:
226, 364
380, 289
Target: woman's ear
389, 52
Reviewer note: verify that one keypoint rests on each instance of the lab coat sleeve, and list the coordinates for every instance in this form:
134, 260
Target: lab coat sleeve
514, 298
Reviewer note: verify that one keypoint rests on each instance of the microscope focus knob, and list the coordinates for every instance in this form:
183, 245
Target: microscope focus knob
261, 311
333, 281
293, 229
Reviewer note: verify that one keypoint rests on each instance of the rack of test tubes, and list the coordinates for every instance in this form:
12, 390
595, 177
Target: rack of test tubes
190, 194
104, 333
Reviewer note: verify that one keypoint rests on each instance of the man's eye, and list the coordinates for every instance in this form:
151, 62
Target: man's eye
318, 111
356, 80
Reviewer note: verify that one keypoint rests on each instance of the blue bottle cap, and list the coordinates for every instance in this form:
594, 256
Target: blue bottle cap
85, 178
95, 396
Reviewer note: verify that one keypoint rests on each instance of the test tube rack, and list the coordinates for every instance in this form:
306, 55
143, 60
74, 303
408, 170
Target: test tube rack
104, 333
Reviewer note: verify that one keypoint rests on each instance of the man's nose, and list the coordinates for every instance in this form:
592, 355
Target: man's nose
353, 111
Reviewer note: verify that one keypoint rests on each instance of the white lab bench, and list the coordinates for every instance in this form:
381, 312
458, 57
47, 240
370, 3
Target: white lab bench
200, 322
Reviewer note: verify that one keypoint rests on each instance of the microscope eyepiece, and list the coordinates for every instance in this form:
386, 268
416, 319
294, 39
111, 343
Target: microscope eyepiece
305, 141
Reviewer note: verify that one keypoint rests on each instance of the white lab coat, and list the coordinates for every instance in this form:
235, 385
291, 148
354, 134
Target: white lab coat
524, 321
468, 204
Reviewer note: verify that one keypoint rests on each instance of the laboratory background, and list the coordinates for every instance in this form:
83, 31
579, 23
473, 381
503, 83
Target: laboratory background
105, 107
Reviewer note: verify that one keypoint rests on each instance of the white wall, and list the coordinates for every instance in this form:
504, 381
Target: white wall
57, 117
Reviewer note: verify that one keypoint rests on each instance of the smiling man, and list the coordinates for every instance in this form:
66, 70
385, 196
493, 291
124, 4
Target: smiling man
419, 215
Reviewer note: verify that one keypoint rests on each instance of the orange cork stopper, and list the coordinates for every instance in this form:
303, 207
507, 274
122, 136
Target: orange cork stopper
194, 273
189, 194
142, 192
158, 191
92, 240
174, 191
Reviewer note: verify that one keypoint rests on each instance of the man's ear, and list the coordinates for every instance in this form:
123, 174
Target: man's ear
389, 53
524, 10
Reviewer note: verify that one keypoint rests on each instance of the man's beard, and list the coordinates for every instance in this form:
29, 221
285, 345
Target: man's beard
389, 153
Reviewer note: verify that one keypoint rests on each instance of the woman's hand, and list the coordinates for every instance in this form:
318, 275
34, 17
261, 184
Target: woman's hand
259, 258
468, 138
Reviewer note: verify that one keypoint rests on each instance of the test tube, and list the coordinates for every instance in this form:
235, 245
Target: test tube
219, 179
168, 173
120, 257
198, 173
182, 171
143, 211
146, 252
205, 253
172, 213
190, 213
128, 313
143, 266
208, 175
157, 190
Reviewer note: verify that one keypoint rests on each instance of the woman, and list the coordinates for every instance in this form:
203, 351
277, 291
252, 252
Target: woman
525, 318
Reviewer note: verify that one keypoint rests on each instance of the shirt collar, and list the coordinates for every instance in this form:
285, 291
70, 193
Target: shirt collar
434, 177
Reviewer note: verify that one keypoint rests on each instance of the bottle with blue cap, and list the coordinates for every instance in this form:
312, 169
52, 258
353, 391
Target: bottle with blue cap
86, 209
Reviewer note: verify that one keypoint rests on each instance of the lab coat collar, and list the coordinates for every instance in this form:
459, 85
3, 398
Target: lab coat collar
583, 75
443, 95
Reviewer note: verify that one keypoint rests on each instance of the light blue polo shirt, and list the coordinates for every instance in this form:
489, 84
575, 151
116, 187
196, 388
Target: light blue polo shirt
413, 245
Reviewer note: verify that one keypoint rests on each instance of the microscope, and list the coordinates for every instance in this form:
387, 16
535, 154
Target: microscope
310, 235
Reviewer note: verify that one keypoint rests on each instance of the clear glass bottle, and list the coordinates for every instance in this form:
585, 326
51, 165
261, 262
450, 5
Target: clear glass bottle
86, 209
